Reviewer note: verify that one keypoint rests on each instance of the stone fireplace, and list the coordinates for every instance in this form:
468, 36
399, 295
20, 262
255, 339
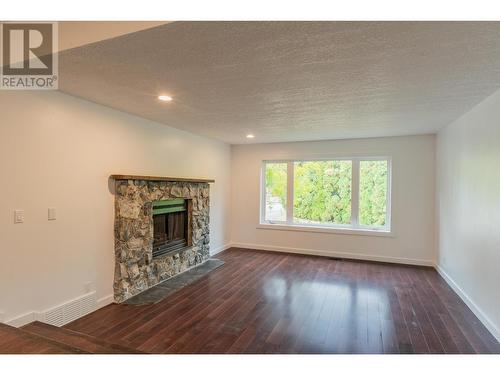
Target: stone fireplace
161, 230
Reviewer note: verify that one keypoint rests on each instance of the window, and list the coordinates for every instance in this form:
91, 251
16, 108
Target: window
275, 191
322, 192
351, 193
373, 192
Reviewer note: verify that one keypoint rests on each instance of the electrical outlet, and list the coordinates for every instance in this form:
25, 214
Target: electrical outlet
52, 214
18, 216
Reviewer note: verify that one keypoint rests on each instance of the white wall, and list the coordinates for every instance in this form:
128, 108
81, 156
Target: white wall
468, 189
413, 198
58, 151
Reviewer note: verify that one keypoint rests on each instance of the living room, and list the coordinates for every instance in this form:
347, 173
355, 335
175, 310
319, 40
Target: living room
250, 187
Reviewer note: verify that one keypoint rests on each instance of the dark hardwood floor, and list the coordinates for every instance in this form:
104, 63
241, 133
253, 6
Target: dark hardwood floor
17, 341
41, 338
264, 302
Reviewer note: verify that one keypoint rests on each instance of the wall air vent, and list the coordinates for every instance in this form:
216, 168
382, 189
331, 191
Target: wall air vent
69, 311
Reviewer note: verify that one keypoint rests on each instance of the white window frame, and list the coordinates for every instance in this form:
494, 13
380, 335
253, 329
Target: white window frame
354, 227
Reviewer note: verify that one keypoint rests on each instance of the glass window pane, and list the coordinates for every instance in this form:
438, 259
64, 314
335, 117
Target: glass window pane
322, 192
373, 192
276, 180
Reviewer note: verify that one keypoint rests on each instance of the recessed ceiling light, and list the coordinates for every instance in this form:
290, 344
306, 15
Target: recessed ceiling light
250, 136
165, 98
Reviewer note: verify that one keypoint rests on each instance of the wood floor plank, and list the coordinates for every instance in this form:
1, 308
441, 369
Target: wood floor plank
17, 341
417, 336
265, 302
188, 332
432, 310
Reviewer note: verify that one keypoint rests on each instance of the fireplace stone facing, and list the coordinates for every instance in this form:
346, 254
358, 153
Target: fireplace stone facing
135, 268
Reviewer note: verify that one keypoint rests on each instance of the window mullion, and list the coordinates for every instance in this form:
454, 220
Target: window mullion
289, 193
355, 194
388, 201
263, 193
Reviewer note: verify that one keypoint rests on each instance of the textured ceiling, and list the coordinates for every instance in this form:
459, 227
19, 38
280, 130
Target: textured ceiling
291, 81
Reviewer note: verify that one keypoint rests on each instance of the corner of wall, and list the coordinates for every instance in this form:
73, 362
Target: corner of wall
220, 249
466, 139
494, 330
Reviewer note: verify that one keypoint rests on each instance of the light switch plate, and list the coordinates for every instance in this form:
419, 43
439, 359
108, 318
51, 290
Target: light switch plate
52, 214
18, 216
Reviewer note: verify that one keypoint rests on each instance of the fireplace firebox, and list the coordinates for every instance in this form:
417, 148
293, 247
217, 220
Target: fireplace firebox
171, 226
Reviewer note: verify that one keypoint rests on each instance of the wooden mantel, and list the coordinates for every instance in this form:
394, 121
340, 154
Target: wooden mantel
156, 178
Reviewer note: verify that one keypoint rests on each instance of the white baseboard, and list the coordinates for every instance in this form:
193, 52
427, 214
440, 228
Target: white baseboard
22, 320
65, 312
494, 330
105, 301
337, 254
220, 249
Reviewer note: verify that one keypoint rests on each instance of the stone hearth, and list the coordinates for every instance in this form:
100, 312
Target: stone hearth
135, 268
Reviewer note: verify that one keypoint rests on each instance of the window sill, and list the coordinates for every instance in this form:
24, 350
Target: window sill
332, 230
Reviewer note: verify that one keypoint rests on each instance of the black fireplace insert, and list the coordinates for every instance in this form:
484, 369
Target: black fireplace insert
170, 226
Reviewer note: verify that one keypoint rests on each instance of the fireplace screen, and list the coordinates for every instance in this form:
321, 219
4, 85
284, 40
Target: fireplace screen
170, 226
